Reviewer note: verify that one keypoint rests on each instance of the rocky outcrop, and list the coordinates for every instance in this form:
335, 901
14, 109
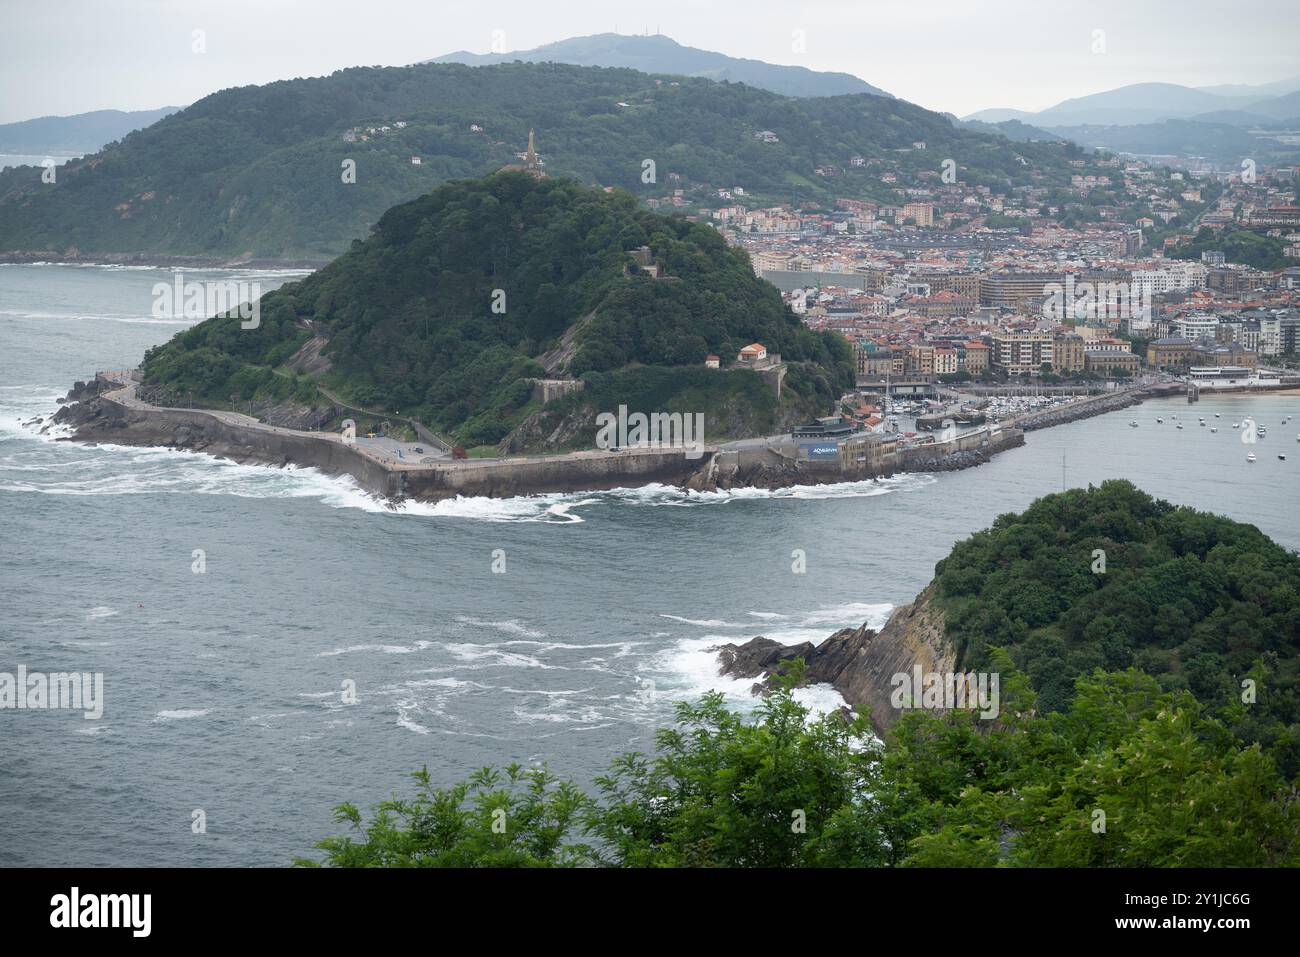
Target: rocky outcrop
311, 358
858, 662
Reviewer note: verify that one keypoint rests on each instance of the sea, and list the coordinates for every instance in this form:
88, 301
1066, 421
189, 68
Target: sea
273, 642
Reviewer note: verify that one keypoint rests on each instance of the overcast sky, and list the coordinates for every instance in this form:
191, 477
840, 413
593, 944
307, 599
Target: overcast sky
71, 56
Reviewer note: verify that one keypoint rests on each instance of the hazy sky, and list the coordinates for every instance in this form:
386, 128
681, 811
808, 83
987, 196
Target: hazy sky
71, 56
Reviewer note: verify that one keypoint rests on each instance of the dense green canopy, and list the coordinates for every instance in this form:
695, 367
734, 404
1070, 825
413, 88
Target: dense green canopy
445, 311
257, 170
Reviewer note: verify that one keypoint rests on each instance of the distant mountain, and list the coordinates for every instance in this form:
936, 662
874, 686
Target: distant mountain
1137, 103
1278, 88
1240, 118
1014, 130
76, 135
1220, 142
999, 115
661, 54
1279, 107
1155, 102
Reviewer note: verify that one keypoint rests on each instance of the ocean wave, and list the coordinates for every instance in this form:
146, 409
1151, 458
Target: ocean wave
708, 622
689, 669
511, 626
182, 714
386, 649
488, 656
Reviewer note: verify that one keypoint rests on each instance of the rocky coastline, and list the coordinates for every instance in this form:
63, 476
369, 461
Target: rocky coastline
859, 663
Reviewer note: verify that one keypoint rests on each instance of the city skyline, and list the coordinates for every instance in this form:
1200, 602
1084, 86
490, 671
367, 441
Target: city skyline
134, 55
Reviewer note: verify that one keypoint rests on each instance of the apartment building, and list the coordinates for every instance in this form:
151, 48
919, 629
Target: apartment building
1013, 289
920, 213
973, 357
1067, 354
1021, 353
945, 360
921, 360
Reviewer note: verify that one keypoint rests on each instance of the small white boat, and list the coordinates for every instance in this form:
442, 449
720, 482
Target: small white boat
1235, 424
1180, 425
1160, 421
1281, 457
1216, 415
1202, 423
1250, 456
1213, 429
1133, 424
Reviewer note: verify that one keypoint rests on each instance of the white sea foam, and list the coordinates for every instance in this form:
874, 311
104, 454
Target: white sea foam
708, 622
490, 656
512, 626
386, 649
693, 663
182, 714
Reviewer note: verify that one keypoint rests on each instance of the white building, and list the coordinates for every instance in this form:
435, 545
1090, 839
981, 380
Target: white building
1173, 277
1195, 327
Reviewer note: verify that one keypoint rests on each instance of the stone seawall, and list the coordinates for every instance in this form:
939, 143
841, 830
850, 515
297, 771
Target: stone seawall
963, 452
576, 472
105, 420
1083, 409
99, 413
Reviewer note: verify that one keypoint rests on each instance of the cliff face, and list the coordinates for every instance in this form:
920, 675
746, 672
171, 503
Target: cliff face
858, 662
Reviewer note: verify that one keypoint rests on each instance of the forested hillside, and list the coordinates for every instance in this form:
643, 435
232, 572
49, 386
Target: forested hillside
258, 170
410, 325
1111, 578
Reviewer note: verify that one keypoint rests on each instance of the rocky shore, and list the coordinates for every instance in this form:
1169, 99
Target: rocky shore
859, 663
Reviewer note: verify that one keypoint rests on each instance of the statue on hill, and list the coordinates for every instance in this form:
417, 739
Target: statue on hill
531, 164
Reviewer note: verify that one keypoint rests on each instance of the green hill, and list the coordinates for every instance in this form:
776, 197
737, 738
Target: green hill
1110, 578
406, 322
257, 170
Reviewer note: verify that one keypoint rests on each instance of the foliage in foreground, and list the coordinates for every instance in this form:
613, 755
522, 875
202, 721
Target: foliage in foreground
1108, 577
1128, 776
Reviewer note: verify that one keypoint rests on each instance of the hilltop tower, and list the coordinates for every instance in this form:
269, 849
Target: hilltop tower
532, 165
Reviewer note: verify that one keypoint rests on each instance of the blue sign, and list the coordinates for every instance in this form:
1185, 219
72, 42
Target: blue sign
822, 450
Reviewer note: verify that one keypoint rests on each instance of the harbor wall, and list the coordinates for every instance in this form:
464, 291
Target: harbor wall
106, 419
202, 431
